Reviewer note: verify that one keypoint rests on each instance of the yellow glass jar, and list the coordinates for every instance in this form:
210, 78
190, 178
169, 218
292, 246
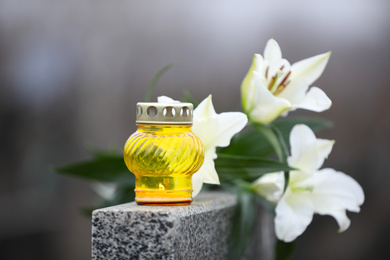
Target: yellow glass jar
163, 154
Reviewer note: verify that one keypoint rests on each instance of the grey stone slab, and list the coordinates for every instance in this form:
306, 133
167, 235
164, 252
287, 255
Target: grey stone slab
198, 231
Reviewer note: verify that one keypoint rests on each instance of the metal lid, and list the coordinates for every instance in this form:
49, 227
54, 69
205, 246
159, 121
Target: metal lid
164, 113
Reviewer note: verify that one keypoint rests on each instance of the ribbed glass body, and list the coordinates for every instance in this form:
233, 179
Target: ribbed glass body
163, 159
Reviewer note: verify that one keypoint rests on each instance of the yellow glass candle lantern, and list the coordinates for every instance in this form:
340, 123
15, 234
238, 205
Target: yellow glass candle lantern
163, 154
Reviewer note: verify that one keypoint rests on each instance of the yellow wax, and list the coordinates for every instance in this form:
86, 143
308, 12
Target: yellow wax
163, 159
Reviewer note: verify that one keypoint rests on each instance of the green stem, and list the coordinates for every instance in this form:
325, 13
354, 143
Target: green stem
284, 149
275, 137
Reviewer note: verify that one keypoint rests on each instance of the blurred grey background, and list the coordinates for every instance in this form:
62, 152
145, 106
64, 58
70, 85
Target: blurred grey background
71, 73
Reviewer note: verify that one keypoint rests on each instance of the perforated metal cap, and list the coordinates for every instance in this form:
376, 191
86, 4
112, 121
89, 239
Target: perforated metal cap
164, 113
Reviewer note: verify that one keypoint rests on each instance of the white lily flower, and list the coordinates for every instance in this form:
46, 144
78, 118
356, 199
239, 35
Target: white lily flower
270, 186
213, 130
310, 190
272, 86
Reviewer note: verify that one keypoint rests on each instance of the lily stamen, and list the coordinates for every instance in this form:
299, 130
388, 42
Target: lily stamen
282, 84
272, 82
285, 78
279, 89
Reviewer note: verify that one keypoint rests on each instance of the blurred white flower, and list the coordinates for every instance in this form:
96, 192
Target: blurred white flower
105, 190
310, 190
213, 130
272, 86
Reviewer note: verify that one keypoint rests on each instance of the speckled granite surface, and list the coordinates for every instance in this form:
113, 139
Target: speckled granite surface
198, 231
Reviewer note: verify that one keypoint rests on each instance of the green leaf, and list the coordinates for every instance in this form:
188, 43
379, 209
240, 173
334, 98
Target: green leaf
284, 250
156, 77
273, 139
104, 168
250, 143
189, 98
233, 167
243, 223
285, 125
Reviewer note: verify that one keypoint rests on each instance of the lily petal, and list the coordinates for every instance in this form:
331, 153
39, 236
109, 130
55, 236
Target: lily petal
247, 86
232, 122
248, 94
261, 64
294, 213
272, 52
249, 76
342, 220
205, 109
315, 100
209, 173
295, 92
310, 69
270, 186
307, 152
268, 106
197, 182
165, 99
204, 129
334, 193
206, 174
216, 129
